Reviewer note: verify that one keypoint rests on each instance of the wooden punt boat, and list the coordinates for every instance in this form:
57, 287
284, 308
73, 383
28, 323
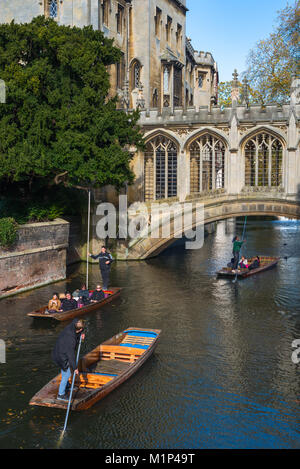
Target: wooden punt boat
103, 369
42, 312
266, 263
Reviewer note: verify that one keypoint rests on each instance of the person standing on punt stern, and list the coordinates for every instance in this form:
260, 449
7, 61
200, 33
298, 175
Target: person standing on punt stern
64, 354
237, 244
105, 261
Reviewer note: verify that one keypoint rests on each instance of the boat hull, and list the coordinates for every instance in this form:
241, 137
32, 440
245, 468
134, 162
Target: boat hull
267, 263
64, 316
124, 366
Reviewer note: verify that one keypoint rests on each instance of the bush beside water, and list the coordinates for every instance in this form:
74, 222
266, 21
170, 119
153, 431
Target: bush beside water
8, 232
17, 210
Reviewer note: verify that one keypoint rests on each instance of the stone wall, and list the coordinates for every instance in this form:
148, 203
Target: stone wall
76, 251
37, 258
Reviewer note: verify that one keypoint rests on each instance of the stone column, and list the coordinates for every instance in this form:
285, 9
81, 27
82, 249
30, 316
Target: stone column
183, 174
292, 178
234, 160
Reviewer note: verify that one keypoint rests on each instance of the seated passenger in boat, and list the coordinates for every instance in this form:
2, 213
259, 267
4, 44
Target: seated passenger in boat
82, 292
243, 264
97, 295
54, 304
255, 264
68, 303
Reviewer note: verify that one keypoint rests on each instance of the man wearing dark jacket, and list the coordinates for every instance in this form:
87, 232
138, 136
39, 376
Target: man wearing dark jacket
97, 295
64, 353
105, 261
68, 303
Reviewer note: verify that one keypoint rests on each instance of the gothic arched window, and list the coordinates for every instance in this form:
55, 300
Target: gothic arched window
207, 164
160, 171
263, 161
135, 74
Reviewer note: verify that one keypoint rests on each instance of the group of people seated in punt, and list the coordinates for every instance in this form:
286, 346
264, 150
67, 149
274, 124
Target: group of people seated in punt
243, 263
60, 303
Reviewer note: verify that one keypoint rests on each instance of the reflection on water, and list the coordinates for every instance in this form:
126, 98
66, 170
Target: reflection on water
221, 377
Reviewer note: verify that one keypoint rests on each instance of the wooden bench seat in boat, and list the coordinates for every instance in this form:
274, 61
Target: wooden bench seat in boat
137, 340
118, 352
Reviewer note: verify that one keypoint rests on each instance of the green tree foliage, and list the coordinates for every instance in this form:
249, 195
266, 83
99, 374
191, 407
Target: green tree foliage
58, 125
273, 60
8, 232
289, 28
224, 94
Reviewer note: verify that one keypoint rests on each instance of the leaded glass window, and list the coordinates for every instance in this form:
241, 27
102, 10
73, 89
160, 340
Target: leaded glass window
263, 161
207, 164
135, 75
51, 8
160, 170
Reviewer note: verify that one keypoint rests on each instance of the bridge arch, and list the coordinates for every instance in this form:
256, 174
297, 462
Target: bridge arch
215, 210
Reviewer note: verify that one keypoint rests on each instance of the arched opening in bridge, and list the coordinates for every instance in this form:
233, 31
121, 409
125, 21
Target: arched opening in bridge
233, 226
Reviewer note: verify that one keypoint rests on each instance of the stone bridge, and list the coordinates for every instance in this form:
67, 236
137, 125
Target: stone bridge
216, 208
244, 159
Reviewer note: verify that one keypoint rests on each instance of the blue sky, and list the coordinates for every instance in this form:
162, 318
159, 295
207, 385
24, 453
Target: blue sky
230, 28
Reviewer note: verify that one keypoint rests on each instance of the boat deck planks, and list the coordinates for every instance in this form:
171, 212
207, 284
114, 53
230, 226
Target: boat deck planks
110, 366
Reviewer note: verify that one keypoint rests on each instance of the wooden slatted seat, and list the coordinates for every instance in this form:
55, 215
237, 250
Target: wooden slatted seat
92, 380
131, 339
117, 352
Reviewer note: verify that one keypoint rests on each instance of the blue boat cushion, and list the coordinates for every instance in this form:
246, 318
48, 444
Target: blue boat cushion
97, 373
100, 374
135, 346
141, 333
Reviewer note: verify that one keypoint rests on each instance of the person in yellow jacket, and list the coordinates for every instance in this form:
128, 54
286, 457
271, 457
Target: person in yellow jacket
54, 305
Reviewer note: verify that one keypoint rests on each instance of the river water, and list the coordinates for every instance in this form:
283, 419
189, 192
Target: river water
221, 377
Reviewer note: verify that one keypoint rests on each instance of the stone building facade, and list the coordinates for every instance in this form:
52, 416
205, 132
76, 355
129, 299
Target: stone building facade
193, 147
159, 67
191, 153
